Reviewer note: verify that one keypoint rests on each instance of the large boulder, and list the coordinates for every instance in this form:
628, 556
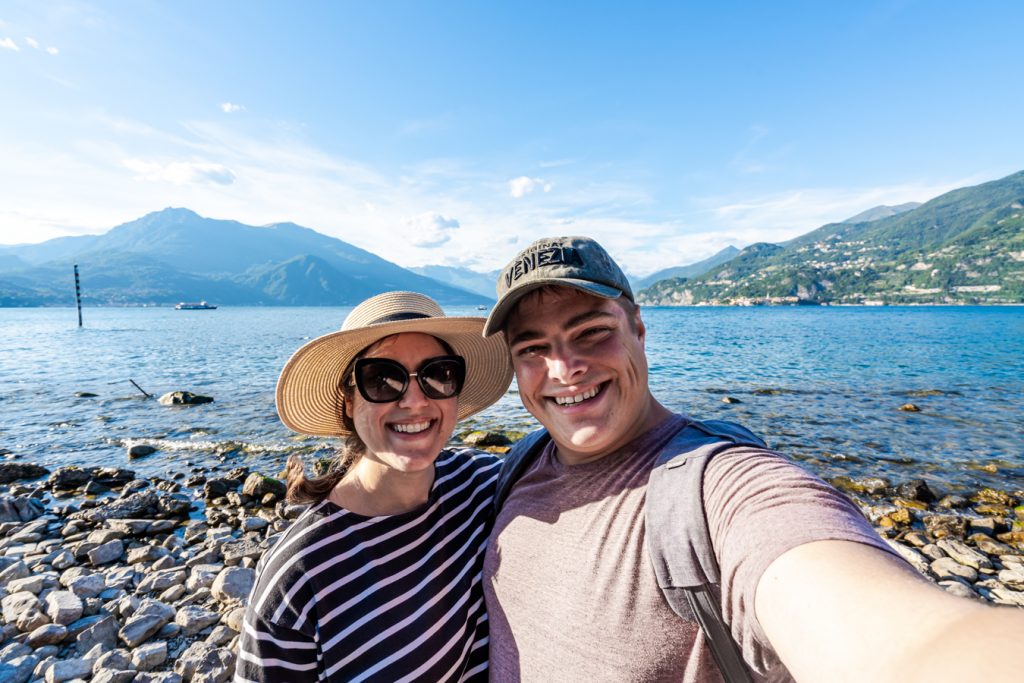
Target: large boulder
256, 486
20, 508
70, 477
14, 471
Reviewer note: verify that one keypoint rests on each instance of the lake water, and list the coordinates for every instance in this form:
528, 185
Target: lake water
823, 385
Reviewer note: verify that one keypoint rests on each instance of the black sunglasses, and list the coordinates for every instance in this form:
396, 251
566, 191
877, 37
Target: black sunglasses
382, 380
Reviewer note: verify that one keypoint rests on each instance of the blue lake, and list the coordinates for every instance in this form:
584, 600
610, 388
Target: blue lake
823, 385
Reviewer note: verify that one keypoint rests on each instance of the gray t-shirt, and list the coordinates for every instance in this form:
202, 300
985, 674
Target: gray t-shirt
570, 590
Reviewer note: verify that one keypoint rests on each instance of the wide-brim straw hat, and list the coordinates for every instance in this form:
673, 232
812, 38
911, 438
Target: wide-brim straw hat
309, 396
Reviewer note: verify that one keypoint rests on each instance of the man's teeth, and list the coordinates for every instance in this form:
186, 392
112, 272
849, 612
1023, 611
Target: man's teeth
413, 428
569, 400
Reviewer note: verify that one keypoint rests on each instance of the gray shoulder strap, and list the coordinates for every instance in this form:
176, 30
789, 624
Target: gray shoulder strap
515, 462
678, 538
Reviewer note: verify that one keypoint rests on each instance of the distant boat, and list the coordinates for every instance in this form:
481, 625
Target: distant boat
201, 306
481, 308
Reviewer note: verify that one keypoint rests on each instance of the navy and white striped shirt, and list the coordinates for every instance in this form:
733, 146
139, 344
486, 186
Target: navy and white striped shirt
343, 597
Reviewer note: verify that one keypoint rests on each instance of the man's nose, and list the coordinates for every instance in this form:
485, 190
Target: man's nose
564, 366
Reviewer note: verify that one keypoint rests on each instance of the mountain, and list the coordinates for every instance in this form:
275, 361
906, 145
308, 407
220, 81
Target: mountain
480, 283
883, 211
966, 246
176, 255
691, 270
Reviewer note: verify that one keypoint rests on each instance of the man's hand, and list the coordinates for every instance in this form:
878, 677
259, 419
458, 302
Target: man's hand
843, 611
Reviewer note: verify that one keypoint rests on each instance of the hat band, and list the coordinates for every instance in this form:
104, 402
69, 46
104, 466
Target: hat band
395, 317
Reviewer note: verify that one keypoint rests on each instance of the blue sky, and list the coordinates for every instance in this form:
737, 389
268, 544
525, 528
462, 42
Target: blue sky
455, 132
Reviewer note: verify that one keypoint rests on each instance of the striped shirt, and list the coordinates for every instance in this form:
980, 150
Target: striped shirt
343, 597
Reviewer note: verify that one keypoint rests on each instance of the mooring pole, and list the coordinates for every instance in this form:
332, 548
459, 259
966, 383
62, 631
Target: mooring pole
78, 296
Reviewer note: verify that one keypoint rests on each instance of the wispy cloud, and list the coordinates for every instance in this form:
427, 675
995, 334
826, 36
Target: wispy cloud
524, 185
430, 230
52, 50
9, 44
231, 107
181, 172
32, 42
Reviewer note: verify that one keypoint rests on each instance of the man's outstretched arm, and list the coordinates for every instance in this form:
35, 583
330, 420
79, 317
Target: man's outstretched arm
844, 611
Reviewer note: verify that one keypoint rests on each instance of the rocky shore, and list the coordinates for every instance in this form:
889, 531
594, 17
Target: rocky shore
114, 579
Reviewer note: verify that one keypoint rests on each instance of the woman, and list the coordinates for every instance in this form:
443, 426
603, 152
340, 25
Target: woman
380, 578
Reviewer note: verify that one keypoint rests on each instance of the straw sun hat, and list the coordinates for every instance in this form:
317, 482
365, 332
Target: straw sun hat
309, 398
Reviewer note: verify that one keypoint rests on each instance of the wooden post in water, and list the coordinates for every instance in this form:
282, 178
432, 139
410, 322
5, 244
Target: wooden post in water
78, 296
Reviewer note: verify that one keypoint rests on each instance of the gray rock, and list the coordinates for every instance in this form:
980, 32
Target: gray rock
160, 677
32, 584
118, 660
235, 552
254, 524
31, 620
115, 676
15, 471
18, 570
168, 562
934, 552
192, 619
88, 585
139, 629
221, 635
150, 606
139, 504
18, 669
16, 604
202, 576
49, 634
235, 618
107, 553
958, 589
102, 633
70, 477
102, 536
14, 649
183, 398
63, 560
140, 450
233, 584
68, 669
173, 593
963, 554
162, 580
149, 656
913, 557
1013, 577
1006, 596
147, 553
256, 486
20, 509
63, 607
130, 527
201, 660
948, 568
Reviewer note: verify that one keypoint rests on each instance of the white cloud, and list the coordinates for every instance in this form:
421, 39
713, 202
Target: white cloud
231, 108
430, 230
52, 50
32, 42
9, 44
181, 172
524, 185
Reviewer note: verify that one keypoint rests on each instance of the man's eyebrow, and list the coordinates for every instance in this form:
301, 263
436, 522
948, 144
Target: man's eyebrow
529, 335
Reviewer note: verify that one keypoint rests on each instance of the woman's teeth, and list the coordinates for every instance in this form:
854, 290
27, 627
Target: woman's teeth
414, 428
569, 400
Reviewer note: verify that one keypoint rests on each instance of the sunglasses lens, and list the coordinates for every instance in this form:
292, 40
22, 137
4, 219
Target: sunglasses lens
442, 377
381, 380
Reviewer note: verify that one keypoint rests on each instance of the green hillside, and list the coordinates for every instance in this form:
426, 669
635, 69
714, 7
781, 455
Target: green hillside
966, 246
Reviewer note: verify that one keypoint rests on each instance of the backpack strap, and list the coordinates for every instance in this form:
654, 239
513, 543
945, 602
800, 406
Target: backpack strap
678, 538
515, 462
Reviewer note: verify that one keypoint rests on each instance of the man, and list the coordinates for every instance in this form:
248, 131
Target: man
808, 589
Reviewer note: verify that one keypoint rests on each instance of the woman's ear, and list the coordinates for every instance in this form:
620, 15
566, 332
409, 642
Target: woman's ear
348, 407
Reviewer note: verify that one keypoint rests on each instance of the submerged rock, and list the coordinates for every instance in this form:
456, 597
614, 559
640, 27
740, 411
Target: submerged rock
183, 398
140, 450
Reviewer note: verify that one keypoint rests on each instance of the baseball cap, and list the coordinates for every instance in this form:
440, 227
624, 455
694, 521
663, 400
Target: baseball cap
577, 262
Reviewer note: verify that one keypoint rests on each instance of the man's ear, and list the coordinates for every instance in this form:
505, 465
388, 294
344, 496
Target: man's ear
641, 331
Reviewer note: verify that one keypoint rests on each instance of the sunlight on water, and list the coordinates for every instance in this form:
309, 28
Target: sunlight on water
823, 385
